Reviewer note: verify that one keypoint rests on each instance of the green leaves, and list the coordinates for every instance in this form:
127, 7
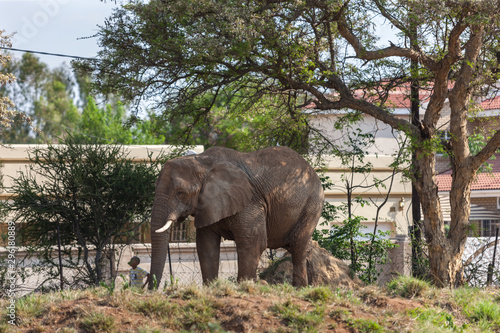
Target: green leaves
110, 124
45, 95
179, 53
94, 193
348, 241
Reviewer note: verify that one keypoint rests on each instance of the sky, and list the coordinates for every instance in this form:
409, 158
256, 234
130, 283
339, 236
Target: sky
54, 26
58, 26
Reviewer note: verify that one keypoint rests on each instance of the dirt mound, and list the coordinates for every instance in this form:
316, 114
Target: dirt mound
322, 269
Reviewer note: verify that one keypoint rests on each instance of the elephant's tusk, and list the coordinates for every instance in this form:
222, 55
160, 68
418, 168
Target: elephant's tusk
165, 227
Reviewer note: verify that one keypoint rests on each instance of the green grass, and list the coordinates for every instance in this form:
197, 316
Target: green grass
435, 320
31, 307
408, 287
298, 319
199, 315
366, 325
317, 294
97, 322
154, 307
416, 307
485, 314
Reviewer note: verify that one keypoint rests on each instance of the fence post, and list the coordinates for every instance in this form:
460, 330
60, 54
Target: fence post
60, 256
491, 267
170, 263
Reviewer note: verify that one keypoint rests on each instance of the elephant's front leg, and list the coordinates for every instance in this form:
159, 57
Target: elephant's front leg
208, 248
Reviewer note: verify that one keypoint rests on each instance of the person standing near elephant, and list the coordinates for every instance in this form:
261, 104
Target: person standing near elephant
270, 198
137, 274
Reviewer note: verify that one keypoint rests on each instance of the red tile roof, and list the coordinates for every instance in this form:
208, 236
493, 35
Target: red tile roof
491, 104
399, 97
484, 180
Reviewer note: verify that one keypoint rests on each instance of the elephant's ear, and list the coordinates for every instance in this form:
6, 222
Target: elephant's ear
225, 192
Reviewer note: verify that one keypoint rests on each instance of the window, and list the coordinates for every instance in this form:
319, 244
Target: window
484, 228
444, 136
489, 228
179, 232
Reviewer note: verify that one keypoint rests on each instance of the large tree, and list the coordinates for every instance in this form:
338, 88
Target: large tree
43, 95
322, 52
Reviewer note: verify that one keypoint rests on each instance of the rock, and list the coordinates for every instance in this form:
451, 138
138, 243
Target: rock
322, 269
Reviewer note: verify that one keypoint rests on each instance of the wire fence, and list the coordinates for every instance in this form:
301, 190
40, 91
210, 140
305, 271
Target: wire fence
182, 265
482, 261
25, 275
31, 273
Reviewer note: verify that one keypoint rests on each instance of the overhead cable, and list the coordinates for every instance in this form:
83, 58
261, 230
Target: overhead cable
46, 53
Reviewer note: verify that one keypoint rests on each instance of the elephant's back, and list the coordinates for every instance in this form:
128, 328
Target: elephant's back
261, 161
283, 164
273, 170
287, 187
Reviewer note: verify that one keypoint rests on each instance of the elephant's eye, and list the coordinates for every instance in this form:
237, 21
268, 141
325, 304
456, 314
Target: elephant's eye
180, 193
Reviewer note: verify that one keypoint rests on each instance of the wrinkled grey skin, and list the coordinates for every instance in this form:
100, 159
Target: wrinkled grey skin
270, 198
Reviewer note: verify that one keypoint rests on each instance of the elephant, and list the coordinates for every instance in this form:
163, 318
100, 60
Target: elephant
269, 198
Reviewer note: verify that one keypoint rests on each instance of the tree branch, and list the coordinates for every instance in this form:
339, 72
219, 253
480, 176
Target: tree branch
391, 51
390, 17
488, 150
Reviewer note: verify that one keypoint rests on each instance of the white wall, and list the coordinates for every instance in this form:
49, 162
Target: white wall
391, 216
15, 158
386, 139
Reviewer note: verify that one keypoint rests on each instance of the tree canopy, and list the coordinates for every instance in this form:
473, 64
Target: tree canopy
57, 103
184, 54
7, 113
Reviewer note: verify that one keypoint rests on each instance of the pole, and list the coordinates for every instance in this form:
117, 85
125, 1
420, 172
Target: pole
417, 251
170, 264
491, 267
416, 230
60, 256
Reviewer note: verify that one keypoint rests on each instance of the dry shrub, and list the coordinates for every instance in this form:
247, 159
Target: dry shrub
322, 269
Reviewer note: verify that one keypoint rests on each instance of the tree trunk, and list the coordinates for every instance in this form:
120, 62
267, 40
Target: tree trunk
446, 250
445, 258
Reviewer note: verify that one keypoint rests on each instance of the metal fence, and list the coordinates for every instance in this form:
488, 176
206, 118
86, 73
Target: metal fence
183, 267
481, 263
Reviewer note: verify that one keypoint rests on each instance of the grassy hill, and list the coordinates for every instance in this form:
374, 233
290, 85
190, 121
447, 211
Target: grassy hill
407, 305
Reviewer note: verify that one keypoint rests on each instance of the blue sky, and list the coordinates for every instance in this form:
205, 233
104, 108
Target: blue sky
54, 26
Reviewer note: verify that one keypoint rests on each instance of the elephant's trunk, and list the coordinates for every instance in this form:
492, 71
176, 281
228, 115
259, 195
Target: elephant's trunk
159, 245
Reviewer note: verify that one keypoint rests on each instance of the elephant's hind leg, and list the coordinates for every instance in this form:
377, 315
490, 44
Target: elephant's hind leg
299, 260
248, 261
300, 239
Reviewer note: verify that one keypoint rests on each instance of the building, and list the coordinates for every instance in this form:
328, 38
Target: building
485, 199
386, 142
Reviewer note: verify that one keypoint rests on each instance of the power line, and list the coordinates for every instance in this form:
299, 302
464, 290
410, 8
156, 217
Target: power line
46, 53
